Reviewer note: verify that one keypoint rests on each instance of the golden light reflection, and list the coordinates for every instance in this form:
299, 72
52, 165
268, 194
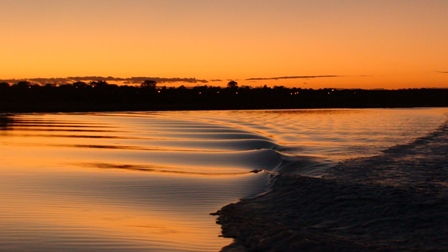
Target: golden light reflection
73, 192
67, 214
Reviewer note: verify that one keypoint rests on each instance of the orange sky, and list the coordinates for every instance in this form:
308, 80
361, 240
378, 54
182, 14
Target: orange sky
367, 44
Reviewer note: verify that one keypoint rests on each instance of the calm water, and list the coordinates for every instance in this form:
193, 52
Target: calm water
148, 180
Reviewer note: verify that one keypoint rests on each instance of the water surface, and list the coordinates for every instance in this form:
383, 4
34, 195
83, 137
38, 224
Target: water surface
148, 180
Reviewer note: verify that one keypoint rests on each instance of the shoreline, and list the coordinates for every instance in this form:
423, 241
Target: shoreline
76, 108
392, 202
70, 98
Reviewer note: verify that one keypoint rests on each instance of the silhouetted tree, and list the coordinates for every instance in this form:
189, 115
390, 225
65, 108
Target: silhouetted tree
149, 84
23, 84
25, 96
99, 84
232, 84
4, 84
79, 84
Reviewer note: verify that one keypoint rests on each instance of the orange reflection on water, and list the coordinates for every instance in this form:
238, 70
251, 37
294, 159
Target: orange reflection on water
66, 207
72, 218
68, 185
136, 181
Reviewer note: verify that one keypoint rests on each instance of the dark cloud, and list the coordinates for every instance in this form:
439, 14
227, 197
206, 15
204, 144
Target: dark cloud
138, 80
293, 77
444, 72
215, 80
131, 80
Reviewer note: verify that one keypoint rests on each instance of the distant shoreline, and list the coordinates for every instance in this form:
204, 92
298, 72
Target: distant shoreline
71, 98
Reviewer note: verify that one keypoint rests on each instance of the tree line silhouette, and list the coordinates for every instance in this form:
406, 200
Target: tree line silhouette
24, 96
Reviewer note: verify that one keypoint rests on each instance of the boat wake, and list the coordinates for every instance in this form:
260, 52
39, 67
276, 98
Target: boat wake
397, 201
147, 181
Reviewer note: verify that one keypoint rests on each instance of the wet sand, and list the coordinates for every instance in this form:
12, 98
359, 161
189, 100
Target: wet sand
397, 201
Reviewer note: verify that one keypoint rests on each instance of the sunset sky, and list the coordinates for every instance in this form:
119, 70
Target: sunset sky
315, 43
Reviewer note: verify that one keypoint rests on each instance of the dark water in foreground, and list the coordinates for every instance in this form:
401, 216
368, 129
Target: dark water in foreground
397, 201
148, 181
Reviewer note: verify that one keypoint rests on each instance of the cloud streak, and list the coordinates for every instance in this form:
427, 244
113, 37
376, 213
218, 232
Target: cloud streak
130, 80
293, 77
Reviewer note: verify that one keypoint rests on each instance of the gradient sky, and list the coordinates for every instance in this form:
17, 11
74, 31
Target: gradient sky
361, 43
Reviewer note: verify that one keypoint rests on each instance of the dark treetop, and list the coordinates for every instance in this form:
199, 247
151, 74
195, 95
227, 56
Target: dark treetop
101, 96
